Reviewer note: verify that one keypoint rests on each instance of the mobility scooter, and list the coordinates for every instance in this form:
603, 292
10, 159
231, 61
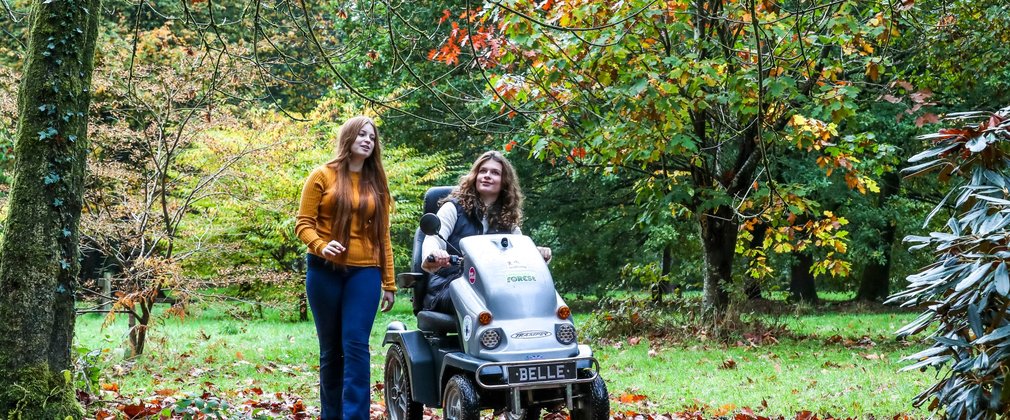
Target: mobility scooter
511, 347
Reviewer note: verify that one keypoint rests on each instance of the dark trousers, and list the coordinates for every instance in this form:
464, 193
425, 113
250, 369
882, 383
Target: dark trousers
343, 302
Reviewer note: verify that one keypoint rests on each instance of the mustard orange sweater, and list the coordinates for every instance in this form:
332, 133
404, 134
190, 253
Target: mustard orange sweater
315, 220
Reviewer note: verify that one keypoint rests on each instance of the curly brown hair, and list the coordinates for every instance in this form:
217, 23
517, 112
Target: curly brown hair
506, 213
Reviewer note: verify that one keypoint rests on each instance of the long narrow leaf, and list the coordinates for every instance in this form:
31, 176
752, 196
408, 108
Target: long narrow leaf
936, 209
1001, 278
975, 320
1001, 332
977, 273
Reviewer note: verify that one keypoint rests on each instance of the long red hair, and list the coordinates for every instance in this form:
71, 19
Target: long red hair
373, 188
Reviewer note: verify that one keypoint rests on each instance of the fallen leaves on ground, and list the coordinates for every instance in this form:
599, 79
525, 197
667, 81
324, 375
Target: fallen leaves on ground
254, 402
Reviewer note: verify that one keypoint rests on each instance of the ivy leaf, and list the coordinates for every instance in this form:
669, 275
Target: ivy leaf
52, 178
47, 133
66, 233
57, 202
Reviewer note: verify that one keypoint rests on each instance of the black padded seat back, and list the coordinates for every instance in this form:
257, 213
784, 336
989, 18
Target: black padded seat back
433, 196
431, 199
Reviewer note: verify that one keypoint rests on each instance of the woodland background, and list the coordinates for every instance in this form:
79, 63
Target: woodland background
727, 156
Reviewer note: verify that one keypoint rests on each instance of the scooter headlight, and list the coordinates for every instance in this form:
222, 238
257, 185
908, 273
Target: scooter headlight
490, 338
565, 333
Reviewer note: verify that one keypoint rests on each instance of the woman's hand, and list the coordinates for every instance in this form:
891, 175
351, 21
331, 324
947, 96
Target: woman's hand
437, 259
387, 300
333, 249
545, 252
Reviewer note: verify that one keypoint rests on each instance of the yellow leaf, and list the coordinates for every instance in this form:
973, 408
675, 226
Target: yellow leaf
798, 121
872, 71
871, 185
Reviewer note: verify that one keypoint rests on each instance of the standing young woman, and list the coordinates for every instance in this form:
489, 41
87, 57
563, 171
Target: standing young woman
344, 220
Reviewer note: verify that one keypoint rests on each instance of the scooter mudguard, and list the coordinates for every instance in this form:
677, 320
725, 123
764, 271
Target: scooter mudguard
420, 365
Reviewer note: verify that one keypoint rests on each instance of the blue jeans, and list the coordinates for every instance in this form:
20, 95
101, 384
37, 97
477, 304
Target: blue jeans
343, 302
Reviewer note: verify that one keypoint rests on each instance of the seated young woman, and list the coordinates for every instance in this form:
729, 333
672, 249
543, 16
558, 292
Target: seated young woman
488, 200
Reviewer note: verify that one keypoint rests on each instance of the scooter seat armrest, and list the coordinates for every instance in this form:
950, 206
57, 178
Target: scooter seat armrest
407, 280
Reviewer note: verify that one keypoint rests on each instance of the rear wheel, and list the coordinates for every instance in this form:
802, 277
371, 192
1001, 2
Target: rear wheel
460, 400
594, 403
400, 404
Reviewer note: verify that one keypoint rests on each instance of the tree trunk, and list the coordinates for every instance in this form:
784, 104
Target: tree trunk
138, 326
752, 287
39, 253
662, 287
801, 284
718, 232
876, 279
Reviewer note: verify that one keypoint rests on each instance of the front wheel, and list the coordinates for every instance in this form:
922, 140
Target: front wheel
400, 404
460, 401
594, 403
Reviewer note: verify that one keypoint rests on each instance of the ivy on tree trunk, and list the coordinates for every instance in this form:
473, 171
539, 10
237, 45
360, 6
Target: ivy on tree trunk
39, 253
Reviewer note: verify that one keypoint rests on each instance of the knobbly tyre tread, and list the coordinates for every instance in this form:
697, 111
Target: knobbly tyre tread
397, 361
595, 404
469, 404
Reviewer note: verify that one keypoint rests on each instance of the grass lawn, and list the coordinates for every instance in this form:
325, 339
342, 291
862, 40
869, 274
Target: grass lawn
840, 363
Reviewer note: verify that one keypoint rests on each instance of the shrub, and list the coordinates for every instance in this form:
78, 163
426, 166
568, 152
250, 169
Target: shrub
965, 293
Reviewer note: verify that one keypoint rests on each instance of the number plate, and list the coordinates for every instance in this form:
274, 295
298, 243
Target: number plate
540, 373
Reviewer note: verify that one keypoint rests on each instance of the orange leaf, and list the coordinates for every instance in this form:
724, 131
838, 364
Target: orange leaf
445, 15
728, 364
510, 145
632, 398
110, 387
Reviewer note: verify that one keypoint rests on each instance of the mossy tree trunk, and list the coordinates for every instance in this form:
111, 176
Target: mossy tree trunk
39, 252
718, 232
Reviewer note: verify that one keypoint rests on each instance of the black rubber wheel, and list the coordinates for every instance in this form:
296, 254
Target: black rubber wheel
400, 404
594, 403
459, 401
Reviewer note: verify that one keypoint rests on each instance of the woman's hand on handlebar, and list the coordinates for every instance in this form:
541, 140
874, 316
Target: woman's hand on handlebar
437, 259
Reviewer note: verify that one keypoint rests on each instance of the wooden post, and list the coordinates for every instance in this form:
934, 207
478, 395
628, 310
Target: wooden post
106, 283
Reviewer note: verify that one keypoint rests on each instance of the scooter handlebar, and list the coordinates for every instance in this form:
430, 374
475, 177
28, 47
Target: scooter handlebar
453, 259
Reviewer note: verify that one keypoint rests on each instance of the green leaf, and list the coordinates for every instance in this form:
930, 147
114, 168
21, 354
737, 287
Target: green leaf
976, 275
974, 320
1001, 332
47, 133
1001, 279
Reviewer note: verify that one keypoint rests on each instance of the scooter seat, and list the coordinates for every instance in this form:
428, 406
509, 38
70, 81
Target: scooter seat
436, 322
